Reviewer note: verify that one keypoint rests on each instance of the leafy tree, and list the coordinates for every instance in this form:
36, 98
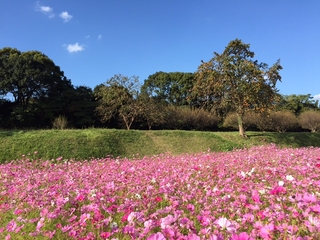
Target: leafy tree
27, 75
119, 97
298, 103
152, 111
234, 81
172, 88
30, 78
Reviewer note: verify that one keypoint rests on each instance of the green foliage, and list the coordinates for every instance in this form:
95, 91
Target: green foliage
152, 112
172, 88
27, 75
234, 81
297, 103
119, 97
40, 92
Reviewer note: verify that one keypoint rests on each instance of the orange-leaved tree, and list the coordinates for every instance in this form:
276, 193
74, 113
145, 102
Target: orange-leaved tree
233, 81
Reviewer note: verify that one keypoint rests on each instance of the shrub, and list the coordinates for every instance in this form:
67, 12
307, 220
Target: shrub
60, 122
231, 121
310, 120
262, 121
190, 119
283, 121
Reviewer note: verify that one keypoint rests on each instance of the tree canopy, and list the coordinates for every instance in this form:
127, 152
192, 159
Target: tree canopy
234, 81
27, 75
118, 97
172, 88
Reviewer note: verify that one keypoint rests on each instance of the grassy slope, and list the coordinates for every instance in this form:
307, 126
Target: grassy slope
83, 144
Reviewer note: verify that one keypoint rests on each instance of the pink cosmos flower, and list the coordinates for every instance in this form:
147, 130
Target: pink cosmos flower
44, 212
40, 224
156, 236
18, 211
215, 237
193, 236
18, 228
166, 221
83, 218
11, 226
277, 190
158, 199
266, 231
50, 234
66, 228
147, 224
225, 224
255, 197
204, 220
105, 235
125, 217
80, 198
309, 198
168, 233
313, 224
241, 236
190, 207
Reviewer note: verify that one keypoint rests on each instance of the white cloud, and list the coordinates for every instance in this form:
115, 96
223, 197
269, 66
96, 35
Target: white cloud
99, 36
316, 97
65, 16
88, 36
75, 48
45, 9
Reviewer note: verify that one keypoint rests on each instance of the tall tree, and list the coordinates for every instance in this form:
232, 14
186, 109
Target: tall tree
34, 82
27, 75
298, 103
119, 97
234, 81
173, 87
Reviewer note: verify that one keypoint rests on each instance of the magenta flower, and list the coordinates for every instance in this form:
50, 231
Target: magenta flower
11, 226
105, 235
193, 236
204, 220
277, 190
255, 197
166, 221
241, 236
190, 207
266, 231
156, 236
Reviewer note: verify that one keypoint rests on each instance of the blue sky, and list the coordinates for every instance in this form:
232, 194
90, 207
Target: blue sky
93, 40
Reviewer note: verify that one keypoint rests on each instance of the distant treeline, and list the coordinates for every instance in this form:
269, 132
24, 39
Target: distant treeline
35, 94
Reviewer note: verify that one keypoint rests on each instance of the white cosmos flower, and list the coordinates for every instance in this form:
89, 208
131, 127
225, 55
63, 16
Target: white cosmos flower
289, 178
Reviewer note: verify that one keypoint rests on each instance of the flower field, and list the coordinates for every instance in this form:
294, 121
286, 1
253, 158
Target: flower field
262, 192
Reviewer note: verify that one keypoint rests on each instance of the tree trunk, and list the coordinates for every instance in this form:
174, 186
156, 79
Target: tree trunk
242, 132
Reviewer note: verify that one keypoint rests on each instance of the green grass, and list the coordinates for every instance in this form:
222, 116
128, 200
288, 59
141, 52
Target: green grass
97, 143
